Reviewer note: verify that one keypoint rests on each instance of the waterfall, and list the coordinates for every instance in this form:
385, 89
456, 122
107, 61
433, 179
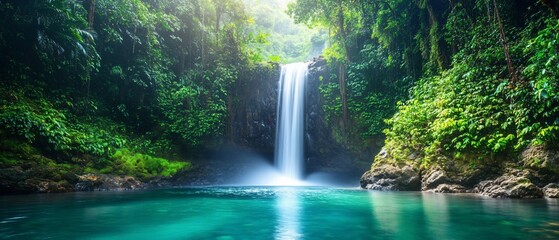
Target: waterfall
290, 120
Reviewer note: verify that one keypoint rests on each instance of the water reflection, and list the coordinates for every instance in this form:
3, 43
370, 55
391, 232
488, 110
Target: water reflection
288, 209
436, 215
410, 215
385, 212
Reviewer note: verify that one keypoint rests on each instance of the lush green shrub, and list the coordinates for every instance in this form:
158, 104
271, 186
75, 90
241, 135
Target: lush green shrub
39, 123
540, 95
196, 108
454, 113
142, 165
474, 108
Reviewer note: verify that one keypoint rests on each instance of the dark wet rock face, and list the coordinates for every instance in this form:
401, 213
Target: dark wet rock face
391, 178
10, 179
323, 153
35, 179
253, 114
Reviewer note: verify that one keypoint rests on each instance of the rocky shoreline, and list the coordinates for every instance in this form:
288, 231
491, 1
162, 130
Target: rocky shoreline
509, 180
512, 184
81, 183
40, 179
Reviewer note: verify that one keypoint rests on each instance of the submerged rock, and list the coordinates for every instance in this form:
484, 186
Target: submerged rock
391, 178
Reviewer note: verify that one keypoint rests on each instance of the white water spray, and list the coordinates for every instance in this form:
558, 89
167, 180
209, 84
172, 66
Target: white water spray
290, 120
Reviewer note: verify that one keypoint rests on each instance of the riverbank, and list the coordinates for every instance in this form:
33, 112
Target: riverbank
497, 178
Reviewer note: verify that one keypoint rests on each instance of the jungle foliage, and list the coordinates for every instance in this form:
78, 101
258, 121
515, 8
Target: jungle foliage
120, 85
461, 79
117, 82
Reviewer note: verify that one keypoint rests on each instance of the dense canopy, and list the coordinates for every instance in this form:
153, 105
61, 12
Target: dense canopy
140, 87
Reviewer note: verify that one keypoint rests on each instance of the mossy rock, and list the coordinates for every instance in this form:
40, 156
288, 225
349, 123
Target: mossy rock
541, 158
142, 166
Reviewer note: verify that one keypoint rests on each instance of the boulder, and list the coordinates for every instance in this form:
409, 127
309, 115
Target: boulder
513, 184
387, 177
551, 190
433, 179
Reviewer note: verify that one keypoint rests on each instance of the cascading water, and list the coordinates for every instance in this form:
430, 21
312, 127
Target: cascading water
290, 120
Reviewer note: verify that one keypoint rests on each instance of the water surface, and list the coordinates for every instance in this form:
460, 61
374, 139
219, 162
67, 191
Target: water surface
274, 213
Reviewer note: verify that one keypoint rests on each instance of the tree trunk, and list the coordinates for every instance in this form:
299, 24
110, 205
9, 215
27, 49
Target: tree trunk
231, 117
342, 69
218, 11
183, 63
343, 92
203, 53
510, 66
342, 30
441, 57
90, 6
